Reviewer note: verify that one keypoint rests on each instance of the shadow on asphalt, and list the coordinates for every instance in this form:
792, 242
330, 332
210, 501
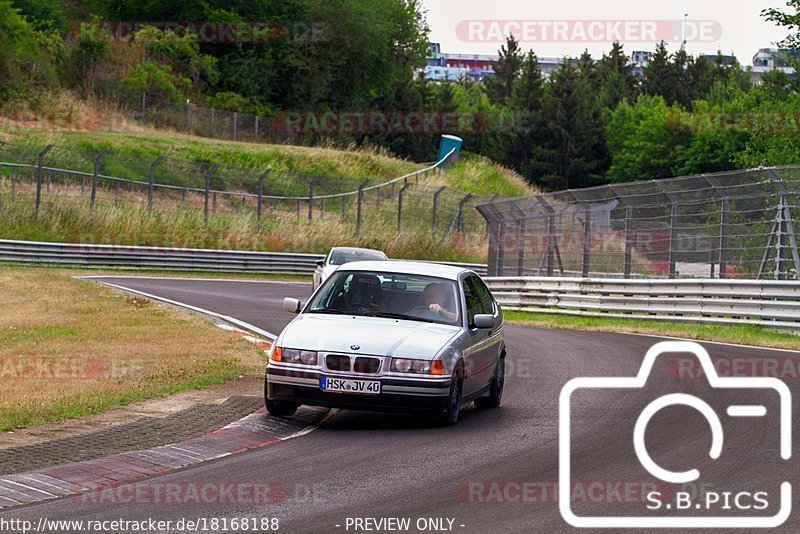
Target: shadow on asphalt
347, 420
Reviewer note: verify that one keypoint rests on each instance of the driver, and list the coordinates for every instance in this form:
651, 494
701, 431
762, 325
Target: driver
435, 299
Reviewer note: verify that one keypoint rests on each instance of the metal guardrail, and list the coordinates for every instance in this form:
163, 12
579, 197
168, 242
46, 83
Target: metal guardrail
713, 301
160, 258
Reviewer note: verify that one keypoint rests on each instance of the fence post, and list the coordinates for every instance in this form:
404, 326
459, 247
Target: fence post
673, 237
151, 186
144, 107
235, 125
212, 122
551, 243
214, 202
13, 184
260, 196
723, 239
587, 241
311, 198
256, 127
95, 178
358, 208
628, 241
39, 165
400, 205
188, 117
521, 227
436, 204
780, 268
208, 175
344, 206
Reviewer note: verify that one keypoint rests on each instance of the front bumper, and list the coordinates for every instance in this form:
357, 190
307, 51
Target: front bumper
423, 396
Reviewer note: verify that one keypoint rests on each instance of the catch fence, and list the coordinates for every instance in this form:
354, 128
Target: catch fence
724, 225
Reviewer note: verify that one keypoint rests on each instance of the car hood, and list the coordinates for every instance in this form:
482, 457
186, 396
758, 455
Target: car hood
375, 336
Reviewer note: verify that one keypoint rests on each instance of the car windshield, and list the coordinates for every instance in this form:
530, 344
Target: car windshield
391, 295
340, 257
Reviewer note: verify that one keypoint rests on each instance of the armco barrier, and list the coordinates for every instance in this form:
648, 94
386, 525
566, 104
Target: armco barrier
158, 258
757, 302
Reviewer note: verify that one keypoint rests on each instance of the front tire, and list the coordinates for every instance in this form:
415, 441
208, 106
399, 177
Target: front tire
450, 417
495, 396
278, 408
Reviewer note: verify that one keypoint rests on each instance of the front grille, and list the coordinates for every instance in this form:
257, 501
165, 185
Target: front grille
338, 362
366, 365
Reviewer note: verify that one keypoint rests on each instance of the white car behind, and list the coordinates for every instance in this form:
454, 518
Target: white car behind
341, 255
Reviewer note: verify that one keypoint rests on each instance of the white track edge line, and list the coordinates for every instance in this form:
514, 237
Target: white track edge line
773, 349
237, 322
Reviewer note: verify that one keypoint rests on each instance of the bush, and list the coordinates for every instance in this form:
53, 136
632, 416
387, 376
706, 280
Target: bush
23, 63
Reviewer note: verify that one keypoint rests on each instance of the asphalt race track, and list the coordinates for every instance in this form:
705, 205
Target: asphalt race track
493, 472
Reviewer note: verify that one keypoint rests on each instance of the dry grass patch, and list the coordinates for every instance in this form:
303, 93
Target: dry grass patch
70, 348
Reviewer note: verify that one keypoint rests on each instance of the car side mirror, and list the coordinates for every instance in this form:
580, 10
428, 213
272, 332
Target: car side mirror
292, 305
320, 263
483, 320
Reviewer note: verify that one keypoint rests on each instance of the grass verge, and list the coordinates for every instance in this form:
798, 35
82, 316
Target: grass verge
69, 348
65, 218
738, 334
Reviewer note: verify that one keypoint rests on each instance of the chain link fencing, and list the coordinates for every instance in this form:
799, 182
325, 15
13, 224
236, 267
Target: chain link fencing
32, 174
724, 225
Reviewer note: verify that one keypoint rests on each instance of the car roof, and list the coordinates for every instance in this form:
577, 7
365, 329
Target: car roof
438, 270
356, 249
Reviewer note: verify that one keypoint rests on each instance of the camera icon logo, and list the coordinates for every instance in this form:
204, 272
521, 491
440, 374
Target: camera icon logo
717, 440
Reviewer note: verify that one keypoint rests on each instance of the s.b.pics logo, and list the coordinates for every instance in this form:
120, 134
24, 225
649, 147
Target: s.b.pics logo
721, 444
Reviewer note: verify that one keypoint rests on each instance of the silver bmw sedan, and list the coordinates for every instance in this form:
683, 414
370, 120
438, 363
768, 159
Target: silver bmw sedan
391, 336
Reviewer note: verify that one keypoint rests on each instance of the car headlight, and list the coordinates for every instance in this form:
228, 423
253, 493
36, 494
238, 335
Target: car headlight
420, 367
305, 357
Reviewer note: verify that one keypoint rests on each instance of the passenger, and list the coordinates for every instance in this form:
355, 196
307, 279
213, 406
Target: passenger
436, 300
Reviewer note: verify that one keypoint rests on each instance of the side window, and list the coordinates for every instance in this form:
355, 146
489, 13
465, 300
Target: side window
472, 298
484, 295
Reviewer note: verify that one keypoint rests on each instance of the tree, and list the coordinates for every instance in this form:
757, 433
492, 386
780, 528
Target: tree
645, 139
574, 153
589, 71
791, 21
506, 71
524, 124
43, 14
24, 66
659, 75
683, 90
617, 82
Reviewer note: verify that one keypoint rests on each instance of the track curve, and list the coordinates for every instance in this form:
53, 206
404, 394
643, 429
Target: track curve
370, 465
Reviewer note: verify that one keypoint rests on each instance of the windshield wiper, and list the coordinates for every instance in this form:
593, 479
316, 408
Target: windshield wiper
329, 310
392, 315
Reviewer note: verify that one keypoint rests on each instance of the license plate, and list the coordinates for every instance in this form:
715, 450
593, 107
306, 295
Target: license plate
343, 385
